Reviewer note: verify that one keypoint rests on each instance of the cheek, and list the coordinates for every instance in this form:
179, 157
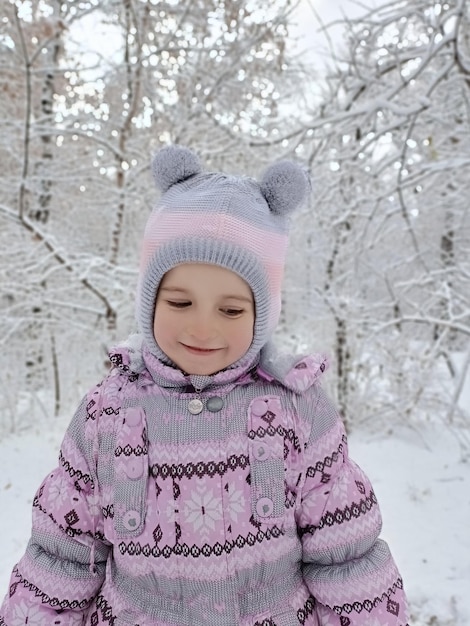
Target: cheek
156, 321
161, 324
244, 335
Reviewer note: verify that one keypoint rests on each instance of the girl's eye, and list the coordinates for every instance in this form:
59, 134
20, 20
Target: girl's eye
232, 312
178, 304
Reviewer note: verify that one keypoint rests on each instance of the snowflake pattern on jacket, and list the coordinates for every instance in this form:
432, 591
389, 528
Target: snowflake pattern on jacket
249, 513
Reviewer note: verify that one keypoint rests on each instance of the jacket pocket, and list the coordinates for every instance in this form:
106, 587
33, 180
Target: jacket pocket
267, 465
131, 473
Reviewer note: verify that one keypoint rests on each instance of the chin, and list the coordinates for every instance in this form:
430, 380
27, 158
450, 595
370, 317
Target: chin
202, 371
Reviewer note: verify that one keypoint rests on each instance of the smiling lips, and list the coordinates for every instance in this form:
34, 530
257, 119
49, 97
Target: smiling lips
201, 351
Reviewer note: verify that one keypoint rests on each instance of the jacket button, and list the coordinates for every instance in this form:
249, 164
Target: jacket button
134, 468
195, 406
259, 408
131, 520
133, 417
214, 404
261, 451
264, 507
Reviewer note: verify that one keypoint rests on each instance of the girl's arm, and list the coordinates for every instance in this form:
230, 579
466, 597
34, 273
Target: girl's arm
347, 568
64, 563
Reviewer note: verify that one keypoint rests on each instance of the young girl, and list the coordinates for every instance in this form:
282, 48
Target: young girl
207, 481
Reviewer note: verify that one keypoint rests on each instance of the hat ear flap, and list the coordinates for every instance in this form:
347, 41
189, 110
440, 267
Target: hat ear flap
284, 186
172, 165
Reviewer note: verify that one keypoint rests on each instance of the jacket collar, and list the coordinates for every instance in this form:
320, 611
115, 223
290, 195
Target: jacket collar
134, 359
172, 377
291, 371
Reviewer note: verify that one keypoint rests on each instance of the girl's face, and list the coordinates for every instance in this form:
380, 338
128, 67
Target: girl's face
204, 317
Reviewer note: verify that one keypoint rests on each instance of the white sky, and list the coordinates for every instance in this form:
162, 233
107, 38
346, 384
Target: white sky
310, 12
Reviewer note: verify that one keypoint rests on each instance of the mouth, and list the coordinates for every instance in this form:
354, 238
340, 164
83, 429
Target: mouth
200, 351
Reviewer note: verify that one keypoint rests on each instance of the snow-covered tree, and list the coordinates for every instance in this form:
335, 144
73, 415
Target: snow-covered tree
389, 235
92, 89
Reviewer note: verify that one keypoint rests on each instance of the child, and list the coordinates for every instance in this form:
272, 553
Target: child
206, 481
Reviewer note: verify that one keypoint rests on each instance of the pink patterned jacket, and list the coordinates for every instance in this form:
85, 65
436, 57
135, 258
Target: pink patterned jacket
247, 513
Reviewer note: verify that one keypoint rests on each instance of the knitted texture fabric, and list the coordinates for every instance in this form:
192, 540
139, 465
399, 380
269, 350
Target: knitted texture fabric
234, 222
248, 514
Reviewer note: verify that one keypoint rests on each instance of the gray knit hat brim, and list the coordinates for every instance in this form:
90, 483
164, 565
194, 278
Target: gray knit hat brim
215, 252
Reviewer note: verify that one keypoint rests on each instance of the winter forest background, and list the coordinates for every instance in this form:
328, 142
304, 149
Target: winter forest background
379, 268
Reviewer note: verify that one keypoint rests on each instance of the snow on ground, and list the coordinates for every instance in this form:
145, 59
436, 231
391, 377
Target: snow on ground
421, 483
423, 489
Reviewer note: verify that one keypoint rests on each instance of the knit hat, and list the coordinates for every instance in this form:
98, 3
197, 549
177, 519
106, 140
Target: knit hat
233, 222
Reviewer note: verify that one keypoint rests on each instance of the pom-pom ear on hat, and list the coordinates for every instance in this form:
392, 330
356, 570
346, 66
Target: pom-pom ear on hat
173, 164
284, 186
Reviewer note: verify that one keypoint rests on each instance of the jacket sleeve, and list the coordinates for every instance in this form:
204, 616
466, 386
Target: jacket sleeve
64, 563
347, 568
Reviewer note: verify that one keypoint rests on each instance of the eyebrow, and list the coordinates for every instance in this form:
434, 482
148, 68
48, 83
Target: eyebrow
171, 289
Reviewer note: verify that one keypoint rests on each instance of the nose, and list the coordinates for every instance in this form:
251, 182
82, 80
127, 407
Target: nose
201, 327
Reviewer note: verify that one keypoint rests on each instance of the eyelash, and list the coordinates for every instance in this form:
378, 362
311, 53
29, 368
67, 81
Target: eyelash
232, 312
227, 311
178, 305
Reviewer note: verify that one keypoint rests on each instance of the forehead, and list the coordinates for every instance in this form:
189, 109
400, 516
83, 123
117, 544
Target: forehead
192, 276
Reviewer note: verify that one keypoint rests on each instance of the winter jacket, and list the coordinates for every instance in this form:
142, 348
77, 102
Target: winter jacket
248, 513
